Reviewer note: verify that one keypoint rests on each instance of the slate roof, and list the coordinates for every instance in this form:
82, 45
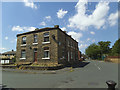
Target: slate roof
9, 53
45, 29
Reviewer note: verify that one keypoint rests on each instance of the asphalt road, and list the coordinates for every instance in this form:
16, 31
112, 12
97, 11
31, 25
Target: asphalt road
92, 75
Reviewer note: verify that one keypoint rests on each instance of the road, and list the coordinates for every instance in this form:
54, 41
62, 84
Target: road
93, 75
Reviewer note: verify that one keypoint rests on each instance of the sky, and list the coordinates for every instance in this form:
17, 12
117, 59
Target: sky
87, 22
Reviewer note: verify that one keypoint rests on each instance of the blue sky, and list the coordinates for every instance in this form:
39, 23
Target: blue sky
87, 22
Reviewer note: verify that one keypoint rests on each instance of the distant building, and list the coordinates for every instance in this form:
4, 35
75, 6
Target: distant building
115, 59
7, 57
46, 45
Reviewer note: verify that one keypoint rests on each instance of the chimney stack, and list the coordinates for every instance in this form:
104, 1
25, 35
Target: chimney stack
56, 26
65, 31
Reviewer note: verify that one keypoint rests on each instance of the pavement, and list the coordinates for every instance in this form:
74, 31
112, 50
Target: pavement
94, 74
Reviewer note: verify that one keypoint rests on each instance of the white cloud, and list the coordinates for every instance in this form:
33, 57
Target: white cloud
113, 18
75, 35
18, 28
63, 28
43, 23
48, 17
82, 21
2, 48
6, 38
92, 32
61, 13
83, 46
88, 39
13, 41
30, 4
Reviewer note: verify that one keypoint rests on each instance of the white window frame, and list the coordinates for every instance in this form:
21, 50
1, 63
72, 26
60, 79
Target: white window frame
48, 55
35, 37
23, 45
45, 42
35, 43
23, 40
22, 55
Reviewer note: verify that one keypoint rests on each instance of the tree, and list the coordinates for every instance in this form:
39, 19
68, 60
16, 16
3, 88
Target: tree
116, 48
104, 47
93, 51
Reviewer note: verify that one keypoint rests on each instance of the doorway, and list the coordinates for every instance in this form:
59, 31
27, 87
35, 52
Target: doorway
35, 55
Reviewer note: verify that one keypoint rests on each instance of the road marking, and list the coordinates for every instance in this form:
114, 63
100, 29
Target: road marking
97, 67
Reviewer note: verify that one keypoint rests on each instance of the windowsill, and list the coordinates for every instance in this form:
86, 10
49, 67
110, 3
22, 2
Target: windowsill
45, 58
23, 44
35, 43
45, 42
22, 58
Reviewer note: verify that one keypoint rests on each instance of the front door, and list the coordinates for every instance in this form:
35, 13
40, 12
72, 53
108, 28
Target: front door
35, 55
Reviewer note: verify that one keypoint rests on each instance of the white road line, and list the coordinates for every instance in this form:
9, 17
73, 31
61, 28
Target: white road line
97, 67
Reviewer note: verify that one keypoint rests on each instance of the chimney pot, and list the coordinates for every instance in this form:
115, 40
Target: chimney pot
65, 31
56, 26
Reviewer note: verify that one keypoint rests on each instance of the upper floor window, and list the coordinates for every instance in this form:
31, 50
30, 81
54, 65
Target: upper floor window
46, 37
24, 40
23, 54
35, 38
71, 43
68, 43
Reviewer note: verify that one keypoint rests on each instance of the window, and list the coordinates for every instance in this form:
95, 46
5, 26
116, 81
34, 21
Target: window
63, 52
71, 55
46, 37
46, 52
71, 43
35, 38
24, 40
68, 43
23, 54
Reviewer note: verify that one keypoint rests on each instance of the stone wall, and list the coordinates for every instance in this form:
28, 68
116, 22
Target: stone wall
30, 52
115, 59
58, 48
68, 45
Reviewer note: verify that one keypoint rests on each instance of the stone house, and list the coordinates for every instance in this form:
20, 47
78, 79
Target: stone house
46, 45
7, 57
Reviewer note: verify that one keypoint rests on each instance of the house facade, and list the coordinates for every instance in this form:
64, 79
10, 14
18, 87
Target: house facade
46, 45
7, 57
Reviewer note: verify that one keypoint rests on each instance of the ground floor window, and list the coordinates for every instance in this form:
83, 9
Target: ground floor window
23, 54
46, 52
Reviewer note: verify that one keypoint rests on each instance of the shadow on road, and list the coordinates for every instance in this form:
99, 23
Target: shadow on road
79, 64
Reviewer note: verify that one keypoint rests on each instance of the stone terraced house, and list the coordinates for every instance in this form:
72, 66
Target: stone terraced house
46, 45
7, 57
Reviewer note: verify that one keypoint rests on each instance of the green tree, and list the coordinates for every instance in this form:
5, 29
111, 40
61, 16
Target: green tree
104, 47
116, 48
93, 51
